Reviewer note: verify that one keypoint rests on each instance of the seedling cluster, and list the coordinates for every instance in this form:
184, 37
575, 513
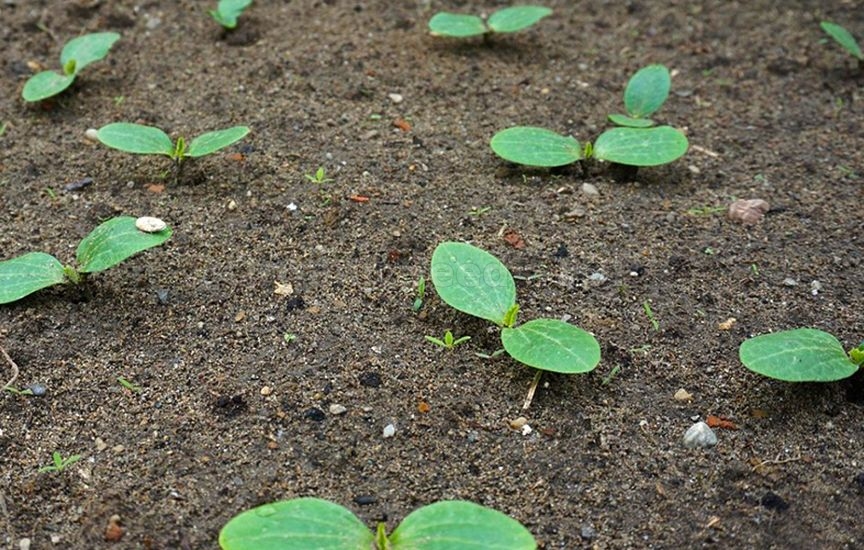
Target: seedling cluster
77, 54
507, 20
308, 522
634, 142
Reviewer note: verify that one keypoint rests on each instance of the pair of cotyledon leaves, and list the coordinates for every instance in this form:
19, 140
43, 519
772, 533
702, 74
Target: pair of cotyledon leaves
77, 54
506, 20
636, 142
148, 140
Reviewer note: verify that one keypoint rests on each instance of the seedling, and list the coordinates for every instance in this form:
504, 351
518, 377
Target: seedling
844, 38
59, 463
507, 20
475, 282
636, 142
421, 293
77, 54
646, 306
800, 355
319, 177
106, 246
477, 211
321, 524
448, 342
128, 385
227, 12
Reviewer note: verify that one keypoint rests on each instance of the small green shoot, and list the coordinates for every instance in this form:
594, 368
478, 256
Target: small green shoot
800, 355
16, 391
448, 342
636, 142
611, 376
844, 38
319, 177
507, 20
475, 282
646, 306
289, 337
227, 12
77, 54
109, 244
3, 128
321, 524
476, 211
699, 211
128, 385
148, 140
420, 294
59, 463
493, 355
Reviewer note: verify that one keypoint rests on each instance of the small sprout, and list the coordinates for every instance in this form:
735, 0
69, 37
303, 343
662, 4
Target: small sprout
800, 355
128, 385
646, 306
319, 177
507, 20
306, 522
420, 294
289, 337
109, 244
227, 12
448, 342
147, 140
59, 463
77, 54
748, 211
611, 376
636, 142
844, 38
699, 211
492, 355
479, 211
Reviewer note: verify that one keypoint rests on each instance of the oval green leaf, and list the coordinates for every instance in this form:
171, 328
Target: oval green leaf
86, 49
799, 355
136, 138
647, 90
213, 141
842, 37
630, 122
45, 84
297, 523
114, 241
28, 273
463, 525
534, 146
516, 18
456, 25
641, 146
228, 11
553, 345
473, 281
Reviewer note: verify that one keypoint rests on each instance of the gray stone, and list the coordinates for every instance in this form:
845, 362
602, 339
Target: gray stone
700, 436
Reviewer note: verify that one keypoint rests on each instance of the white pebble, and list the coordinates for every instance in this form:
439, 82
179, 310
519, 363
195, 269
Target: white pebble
24, 544
815, 287
92, 134
395, 98
589, 189
700, 436
526, 429
789, 281
148, 224
337, 409
389, 431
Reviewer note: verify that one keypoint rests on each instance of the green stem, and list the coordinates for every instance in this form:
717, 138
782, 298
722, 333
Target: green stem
381, 542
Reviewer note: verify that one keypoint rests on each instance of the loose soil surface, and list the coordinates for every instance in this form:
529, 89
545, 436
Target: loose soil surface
231, 414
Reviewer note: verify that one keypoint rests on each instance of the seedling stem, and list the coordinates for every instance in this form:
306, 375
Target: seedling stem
531, 389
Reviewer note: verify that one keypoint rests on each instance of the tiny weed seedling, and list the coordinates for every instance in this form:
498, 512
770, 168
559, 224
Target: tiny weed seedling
800, 355
59, 463
420, 294
106, 246
475, 282
655, 324
148, 140
227, 12
448, 342
128, 385
317, 523
319, 177
77, 54
635, 142
844, 38
507, 20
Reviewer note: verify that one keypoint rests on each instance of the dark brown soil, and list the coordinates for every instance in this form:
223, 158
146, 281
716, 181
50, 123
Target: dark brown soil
771, 110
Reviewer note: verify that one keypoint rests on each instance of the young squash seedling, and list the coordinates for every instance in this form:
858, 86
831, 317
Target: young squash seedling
321, 524
77, 54
227, 12
106, 246
475, 282
449, 342
844, 38
507, 20
635, 142
800, 355
148, 140
59, 463
419, 295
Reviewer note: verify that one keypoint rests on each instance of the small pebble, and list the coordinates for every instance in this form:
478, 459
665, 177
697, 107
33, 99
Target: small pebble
588, 532
815, 287
597, 277
149, 224
365, 500
748, 211
38, 390
518, 423
232, 205
337, 409
266, 390
389, 431
789, 281
590, 189
773, 501
92, 134
100, 444
24, 544
700, 436
315, 414
395, 98
77, 185
683, 395
162, 296
526, 429
727, 324
575, 214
